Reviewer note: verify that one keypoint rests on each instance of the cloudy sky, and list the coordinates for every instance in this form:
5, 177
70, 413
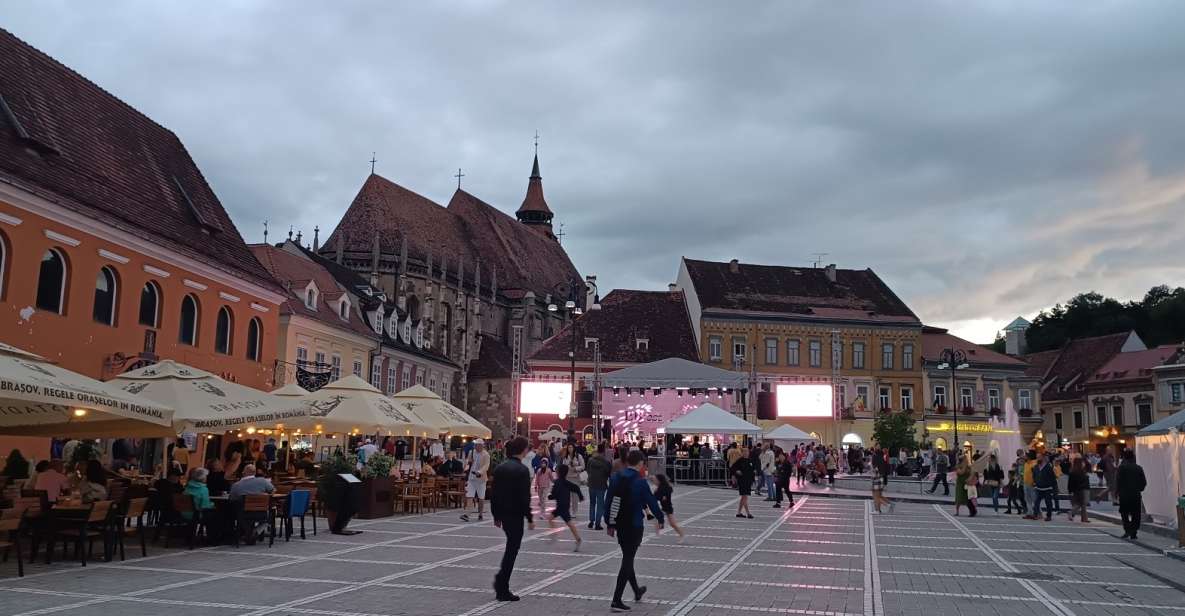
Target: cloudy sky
986, 161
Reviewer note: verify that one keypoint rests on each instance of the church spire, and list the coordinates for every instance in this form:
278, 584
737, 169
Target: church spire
534, 211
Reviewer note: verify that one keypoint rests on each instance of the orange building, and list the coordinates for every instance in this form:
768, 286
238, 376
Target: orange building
113, 248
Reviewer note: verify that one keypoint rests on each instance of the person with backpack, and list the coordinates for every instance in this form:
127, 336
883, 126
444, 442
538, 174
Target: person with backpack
629, 495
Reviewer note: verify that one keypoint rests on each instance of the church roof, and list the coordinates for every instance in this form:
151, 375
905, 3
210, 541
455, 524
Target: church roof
534, 201
659, 317
69, 141
468, 228
297, 271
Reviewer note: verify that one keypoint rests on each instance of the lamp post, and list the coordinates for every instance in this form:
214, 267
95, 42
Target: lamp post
572, 310
954, 359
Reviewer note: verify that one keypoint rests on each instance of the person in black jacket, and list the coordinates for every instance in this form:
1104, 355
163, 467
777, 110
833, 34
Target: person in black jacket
510, 504
744, 472
561, 492
993, 479
784, 469
1130, 483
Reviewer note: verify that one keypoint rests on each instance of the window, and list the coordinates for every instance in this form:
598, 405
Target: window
907, 357
335, 370
966, 397
343, 309
3, 261
861, 401
843, 396
887, 356
939, 395
302, 356
837, 355
51, 282
189, 320
771, 351
419, 377
1176, 392
1025, 397
376, 373
993, 398
1117, 415
714, 351
1077, 419
446, 391
738, 349
105, 295
858, 355
406, 378
1144, 410
1057, 420
792, 352
319, 359
255, 341
432, 382
886, 393
310, 298
150, 305
906, 398
223, 331
391, 375
815, 350
357, 368
1100, 413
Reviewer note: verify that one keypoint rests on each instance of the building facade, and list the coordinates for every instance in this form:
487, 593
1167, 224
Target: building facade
823, 325
1168, 381
1121, 399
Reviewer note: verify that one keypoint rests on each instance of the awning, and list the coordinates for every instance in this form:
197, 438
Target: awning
352, 406
675, 372
423, 403
710, 419
38, 398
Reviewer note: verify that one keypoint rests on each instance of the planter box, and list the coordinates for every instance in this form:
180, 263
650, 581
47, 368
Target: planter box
376, 499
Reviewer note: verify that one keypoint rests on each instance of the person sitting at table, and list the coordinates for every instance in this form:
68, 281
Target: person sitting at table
304, 464
250, 484
164, 490
216, 478
429, 468
452, 466
234, 461
197, 490
52, 480
94, 483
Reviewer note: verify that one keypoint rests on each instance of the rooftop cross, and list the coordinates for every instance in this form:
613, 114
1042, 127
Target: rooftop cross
536, 142
373, 160
459, 176
560, 234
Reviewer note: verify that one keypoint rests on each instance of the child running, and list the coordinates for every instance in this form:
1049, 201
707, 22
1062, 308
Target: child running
562, 492
663, 494
878, 491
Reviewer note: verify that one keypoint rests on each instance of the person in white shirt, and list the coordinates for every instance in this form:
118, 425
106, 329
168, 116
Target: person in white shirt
366, 450
476, 474
436, 449
769, 472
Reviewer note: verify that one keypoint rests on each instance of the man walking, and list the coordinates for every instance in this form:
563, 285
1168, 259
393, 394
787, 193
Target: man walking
1045, 482
510, 505
1027, 477
1129, 484
941, 466
629, 494
769, 471
475, 478
598, 468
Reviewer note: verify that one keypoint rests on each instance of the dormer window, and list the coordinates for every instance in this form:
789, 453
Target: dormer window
343, 309
310, 296
642, 344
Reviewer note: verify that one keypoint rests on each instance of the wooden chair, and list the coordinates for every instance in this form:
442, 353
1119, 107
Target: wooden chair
456, 492
413, 497
11, 521
397, 484
255, 508
82, 526
134, 511
182, 514
117, 491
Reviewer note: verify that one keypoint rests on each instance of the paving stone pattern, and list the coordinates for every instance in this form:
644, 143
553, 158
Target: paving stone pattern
825, 557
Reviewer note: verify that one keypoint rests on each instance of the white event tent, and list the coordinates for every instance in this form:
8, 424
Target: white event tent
708, 418
1160, 450
787, 433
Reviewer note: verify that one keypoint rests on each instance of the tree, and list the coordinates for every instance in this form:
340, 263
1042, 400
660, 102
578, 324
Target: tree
1158, 318
894, 431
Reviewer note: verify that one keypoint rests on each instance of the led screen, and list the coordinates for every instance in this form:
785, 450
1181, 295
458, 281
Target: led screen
804, 400
550, 397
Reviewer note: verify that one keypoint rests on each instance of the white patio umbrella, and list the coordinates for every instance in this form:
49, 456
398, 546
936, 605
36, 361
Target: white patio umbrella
420, 401
38, 398
352, 406
205, 402
291, 390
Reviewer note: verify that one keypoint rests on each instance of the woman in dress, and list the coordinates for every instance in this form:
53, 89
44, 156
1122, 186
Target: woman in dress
744, 473
962, 474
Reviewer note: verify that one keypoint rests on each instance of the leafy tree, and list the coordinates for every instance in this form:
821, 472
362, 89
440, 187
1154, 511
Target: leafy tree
894, 431
1158, 317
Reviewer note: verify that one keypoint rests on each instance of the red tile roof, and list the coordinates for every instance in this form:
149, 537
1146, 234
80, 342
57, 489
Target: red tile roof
1134, 365
936, 339
855, 295
295, 271
468, 228
67, 140
534, 201
1075, 363
658, 316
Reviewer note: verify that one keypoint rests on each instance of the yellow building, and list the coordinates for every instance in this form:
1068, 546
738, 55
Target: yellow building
844, 329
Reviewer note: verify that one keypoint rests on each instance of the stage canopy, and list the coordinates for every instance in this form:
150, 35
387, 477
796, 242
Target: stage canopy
788, 433
710, 419
675, 372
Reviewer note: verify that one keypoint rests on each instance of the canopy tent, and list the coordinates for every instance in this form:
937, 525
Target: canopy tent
422, 402
710, 419
205, 402
41, 399
674, 372
1160, 449
291, 390
789, 434
352, 406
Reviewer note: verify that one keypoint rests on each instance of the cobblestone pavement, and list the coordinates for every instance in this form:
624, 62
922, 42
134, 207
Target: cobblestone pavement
825, 557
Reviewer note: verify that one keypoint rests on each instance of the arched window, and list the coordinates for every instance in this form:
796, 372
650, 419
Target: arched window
105, 296
310, 298
150, 305
51, 282
344, 309
254, 339
189, 320
3, 262
223, 331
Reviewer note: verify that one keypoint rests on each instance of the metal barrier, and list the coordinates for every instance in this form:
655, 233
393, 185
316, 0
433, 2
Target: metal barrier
708, 471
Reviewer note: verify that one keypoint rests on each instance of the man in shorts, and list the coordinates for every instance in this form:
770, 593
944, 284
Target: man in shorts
475, 484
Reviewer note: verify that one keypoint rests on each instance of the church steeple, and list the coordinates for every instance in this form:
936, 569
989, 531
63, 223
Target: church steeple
534, 211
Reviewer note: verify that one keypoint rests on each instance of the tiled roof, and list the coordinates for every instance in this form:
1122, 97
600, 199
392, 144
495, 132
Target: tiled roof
855, 295
534, 201
467, 229
297, 271
935, 339
495, 360
1039, 363
1075, 363
69, 141
1134, 365
660, 317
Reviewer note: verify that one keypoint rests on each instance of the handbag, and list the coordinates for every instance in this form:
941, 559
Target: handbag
583, 476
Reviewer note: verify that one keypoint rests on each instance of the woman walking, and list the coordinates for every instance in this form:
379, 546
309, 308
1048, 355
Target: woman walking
831, 466
993, 478
664, 493
1079, 489
744, 473
878, 492
962, 474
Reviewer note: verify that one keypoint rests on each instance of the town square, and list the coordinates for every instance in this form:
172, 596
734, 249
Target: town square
828, 310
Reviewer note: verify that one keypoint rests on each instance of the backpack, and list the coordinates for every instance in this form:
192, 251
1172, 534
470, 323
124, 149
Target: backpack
623, 502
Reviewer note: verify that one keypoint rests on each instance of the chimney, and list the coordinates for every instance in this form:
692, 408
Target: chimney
734, 266
830, 271
672, 287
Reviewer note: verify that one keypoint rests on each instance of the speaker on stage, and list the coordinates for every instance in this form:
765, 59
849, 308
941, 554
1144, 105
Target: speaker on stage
767, 407
584, 403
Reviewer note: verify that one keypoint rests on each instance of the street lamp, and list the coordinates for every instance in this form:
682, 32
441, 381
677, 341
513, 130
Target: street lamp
954, 359
570, 308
